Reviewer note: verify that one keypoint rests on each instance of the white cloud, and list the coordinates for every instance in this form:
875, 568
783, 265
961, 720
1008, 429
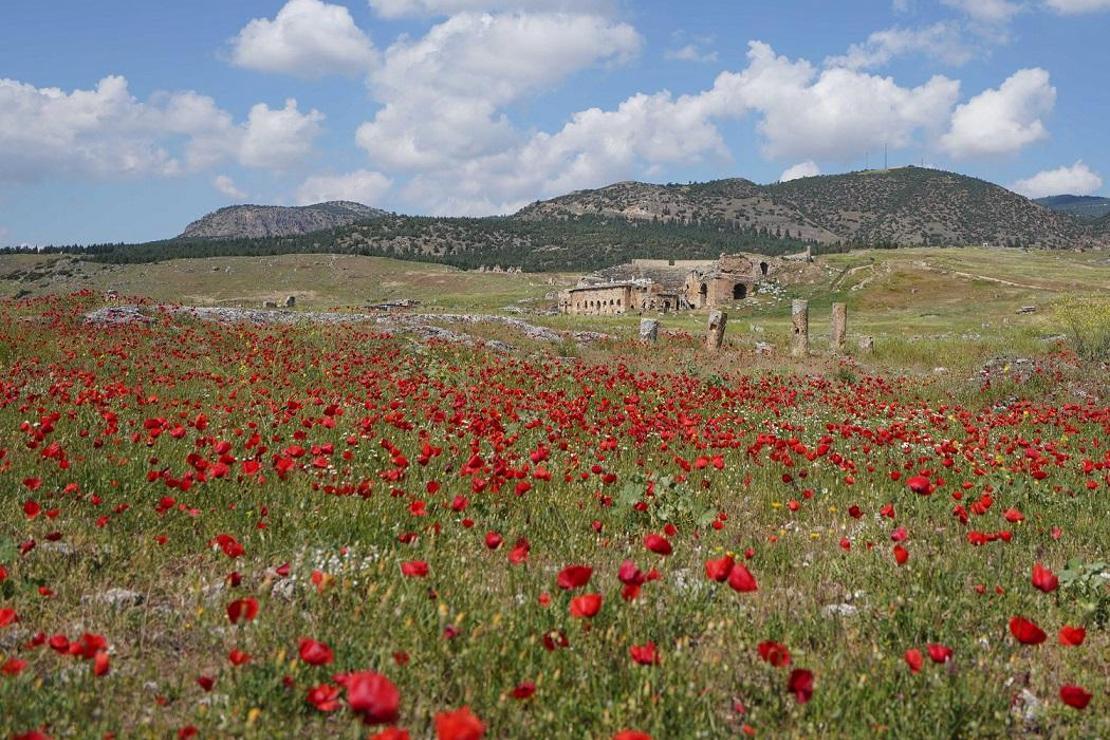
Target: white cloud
986, 11
942, 41
307, 38
425, 8
442, 93
278, 138
1002, 121
838, 114
105, 132
689, 48
690, 53
1078, 179
802, 169
227, 187
360, 186
1072, 7
803, 113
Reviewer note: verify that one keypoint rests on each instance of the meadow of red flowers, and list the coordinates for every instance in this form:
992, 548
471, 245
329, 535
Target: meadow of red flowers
233, 530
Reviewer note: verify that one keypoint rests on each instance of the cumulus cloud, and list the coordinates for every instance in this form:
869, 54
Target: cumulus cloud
1003, 120
360, 186
227, 187
803, 113
1073, 7
442, 93
307, 38
941, 41
800, 170
106, 132
431, 8
279, 138
1078, 179
836, 114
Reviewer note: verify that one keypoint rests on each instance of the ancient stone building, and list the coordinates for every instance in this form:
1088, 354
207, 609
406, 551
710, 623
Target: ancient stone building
646, 285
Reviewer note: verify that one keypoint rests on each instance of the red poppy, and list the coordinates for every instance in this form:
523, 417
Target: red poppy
1044, 579
939, 653
574, 576
392, 733
206, 682
315, 653
719, 570
238, 657
524, 690
913, 660
8, 616
12, 666
414, 569
493, 540
1075, 696
657, 544
461, 724
1026, 632
645, 654
774, 653
800, 684
372, 696
1072, 636
519, 553
920, 485
631, 735
587, 605
901, 555
101, 664
245, 609
324, 697
741, 579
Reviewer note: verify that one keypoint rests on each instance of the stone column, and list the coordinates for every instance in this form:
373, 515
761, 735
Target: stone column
649, 331
866, 344
799, 315
839, 325
715, 330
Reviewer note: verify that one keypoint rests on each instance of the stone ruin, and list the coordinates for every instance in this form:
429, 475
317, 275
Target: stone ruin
650, 285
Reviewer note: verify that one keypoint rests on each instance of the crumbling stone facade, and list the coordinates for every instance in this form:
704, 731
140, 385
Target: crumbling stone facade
670, 285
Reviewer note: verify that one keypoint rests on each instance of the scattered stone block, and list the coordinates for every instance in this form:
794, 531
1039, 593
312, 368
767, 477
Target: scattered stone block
867, 344
649, 331
799, 316
715, 330
839, 325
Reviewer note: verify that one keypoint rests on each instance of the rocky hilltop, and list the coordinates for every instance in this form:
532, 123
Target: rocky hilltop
252, 222
904, 206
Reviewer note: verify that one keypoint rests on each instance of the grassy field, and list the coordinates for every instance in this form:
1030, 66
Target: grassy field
318, 531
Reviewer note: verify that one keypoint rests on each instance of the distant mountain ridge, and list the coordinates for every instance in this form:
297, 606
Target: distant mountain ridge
252, 221
1085, 207
898, 207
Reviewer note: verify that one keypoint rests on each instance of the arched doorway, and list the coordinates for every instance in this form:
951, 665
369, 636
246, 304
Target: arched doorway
763, 268
703, 295
739, 292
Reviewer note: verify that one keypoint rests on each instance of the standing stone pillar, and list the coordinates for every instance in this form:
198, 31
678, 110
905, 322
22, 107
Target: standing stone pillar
649, 331
839, 325
799, 315
715, 330
866, 344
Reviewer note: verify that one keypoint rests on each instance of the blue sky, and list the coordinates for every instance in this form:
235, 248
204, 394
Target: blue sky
123, 121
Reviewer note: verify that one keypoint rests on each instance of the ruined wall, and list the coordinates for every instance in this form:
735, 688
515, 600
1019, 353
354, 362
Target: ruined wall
600, 301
